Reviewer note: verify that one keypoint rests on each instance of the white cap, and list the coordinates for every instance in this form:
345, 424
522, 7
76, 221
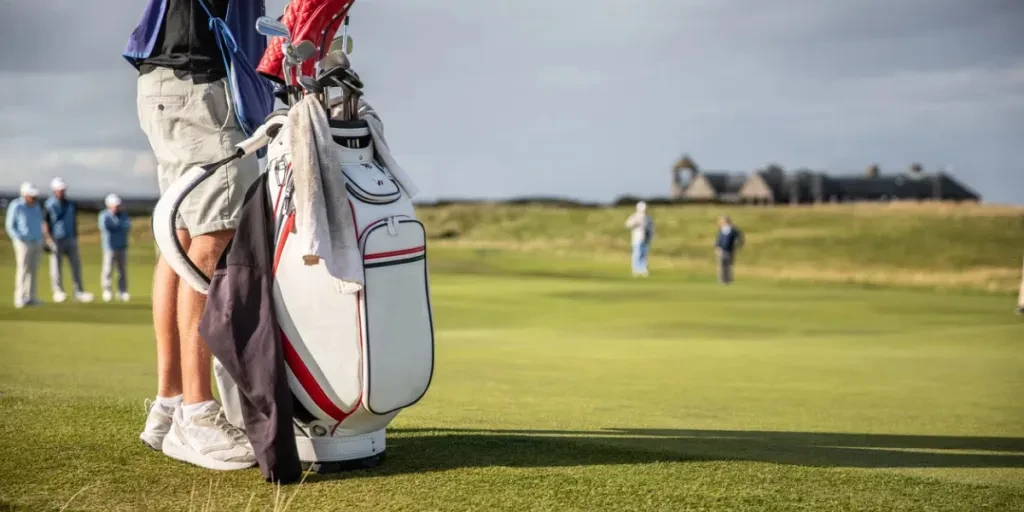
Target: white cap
112, 200
641, 206
58, 184
28, 189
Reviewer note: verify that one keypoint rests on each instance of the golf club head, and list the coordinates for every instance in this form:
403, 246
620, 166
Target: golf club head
334, 59
340, 77
301, 52
342, 44
311, 85
272, 28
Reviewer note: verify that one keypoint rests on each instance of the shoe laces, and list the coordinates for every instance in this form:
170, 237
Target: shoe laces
236, 434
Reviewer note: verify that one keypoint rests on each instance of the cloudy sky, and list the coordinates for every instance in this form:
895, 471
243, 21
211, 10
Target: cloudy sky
581, 98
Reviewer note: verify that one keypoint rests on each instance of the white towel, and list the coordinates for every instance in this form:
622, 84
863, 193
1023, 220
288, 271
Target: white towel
381, 146
324, 225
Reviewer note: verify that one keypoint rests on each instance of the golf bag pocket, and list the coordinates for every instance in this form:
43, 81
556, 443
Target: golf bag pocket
370, 184
399, 342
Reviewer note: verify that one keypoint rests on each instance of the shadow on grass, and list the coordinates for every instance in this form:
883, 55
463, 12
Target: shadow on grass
419, 450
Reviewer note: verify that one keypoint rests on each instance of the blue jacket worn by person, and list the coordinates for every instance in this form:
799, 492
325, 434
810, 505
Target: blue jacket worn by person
729, 239
24, 223
206, 40
114, 229
61, 218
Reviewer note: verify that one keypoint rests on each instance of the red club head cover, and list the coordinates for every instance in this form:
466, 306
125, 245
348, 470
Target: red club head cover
314, 20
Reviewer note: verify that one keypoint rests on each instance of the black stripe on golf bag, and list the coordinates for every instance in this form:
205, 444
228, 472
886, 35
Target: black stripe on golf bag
394, 262
353, 142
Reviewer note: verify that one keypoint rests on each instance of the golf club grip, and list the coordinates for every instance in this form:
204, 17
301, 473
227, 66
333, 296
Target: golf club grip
263, 135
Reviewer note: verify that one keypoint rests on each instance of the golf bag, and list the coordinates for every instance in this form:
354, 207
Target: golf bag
353, 360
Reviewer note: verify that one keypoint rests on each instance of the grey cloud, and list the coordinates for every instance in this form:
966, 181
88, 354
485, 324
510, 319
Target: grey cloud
84, 110
596, 98
61, 36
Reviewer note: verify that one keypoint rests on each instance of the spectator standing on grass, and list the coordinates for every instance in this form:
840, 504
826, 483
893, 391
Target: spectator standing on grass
641, 228
115, 226
61, 231
1020, 295
728, 242
24, 224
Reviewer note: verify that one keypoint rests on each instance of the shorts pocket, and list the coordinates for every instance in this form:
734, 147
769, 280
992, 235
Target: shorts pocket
215, 105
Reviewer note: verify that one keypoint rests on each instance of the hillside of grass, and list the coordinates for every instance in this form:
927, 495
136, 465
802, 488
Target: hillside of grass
975, 247
978, 247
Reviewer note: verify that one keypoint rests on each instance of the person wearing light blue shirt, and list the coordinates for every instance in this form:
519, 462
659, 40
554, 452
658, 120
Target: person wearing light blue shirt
61, 228
24, 225
115, 226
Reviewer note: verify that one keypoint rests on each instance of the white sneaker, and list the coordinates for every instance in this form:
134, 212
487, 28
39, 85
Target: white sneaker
125, 297
59, 297
208, 441
84, 297
107, 296
158, 423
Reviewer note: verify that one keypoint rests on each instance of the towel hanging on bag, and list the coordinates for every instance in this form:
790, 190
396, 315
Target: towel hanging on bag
325, 229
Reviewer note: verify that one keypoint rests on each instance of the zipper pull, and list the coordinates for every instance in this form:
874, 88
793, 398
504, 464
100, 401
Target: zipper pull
392, 226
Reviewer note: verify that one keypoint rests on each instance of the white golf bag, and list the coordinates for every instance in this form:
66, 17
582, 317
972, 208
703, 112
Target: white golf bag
354, 360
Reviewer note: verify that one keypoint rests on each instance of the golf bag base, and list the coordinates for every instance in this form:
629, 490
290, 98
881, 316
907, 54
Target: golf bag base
328, 468
323, 447
333, 454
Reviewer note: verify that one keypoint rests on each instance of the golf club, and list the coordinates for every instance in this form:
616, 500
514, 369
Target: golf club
334, 59
270, 27
294, 56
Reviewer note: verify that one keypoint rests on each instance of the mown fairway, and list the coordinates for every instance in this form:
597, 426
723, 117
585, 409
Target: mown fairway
562, 385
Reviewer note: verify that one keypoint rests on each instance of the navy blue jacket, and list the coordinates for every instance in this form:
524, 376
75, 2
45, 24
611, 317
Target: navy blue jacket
729, 242
241, 20
114, 230
61, 218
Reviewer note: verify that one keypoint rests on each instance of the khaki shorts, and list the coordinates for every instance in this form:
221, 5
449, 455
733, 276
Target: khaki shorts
192, 124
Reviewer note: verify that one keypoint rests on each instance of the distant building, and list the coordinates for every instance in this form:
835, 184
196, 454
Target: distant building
803, 187
714, 187
800, 187
684, 165
917, 186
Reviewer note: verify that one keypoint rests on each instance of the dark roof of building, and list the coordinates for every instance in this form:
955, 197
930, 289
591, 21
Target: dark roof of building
895, 185
725, 182
950, 188
906, 186
812, 184
802, 184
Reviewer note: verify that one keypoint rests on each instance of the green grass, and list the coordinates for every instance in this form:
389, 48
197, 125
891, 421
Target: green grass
562, 385
929, 245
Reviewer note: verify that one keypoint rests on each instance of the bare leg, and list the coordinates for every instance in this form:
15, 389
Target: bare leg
196, 358
165, 323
